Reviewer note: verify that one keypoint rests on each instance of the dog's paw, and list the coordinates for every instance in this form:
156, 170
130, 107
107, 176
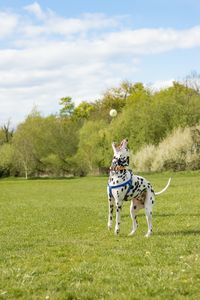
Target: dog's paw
116, 231
148, 234
109, 226
132, 233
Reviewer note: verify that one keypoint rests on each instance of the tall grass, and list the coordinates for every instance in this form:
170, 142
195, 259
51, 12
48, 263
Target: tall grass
179, 151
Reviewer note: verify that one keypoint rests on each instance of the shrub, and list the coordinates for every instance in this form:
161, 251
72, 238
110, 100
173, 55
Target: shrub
142, 160
178, 152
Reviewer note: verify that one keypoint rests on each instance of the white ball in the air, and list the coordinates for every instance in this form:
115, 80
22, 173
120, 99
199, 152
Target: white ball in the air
113, 112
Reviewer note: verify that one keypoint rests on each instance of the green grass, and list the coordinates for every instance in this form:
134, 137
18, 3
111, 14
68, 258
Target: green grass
54, 242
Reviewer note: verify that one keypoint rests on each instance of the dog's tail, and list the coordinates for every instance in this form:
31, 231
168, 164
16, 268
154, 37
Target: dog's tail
165, 188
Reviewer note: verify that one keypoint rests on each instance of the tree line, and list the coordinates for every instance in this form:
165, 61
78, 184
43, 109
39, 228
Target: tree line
77, 140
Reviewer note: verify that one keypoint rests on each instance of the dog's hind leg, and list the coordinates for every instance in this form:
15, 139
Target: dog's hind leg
133, 217
148, 210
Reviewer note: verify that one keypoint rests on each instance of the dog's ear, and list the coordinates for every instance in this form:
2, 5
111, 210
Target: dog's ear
124, 142
114, 147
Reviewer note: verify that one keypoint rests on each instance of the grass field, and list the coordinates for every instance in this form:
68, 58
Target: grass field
55, 243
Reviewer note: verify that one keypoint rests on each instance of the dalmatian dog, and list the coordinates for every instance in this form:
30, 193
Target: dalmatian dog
123, 185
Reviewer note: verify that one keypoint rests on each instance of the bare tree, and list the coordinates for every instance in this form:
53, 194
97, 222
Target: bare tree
6, 133
193, 81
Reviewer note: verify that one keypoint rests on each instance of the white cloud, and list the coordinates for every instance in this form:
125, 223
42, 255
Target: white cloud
55, 24
8, 23
161, 84
35, 9
58, 25
152, 41
50, 56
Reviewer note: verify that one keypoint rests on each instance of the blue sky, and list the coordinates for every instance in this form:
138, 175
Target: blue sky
150, 13
51, 49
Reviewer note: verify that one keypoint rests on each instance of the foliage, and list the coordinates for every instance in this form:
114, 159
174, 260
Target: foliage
83, 110
113, 98
6, 159
78, 140
53, 165
41, 143
93, 146
132, 122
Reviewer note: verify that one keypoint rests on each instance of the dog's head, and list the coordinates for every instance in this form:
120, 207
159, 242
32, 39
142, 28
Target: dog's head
121, 154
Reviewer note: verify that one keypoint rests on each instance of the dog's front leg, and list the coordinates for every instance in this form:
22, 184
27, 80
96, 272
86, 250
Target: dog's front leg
118, 217
133, 208
110, 212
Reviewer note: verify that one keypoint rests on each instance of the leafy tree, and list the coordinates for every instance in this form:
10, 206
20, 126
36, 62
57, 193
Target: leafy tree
64, 140
83, 110
24, 141
93, 147
53, 165
67, 106
113, 98
43, 142
176, 106
32, 141
6, 159
131, 122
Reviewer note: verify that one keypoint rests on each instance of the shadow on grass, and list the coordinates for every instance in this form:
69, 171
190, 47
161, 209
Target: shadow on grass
37, 178
178, 233
52, 178
164, 215
177, 214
